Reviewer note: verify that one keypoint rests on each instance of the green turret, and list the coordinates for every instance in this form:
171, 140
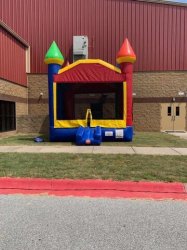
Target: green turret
53, 55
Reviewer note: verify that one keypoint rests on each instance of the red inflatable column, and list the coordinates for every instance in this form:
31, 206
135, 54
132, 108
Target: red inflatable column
126, 57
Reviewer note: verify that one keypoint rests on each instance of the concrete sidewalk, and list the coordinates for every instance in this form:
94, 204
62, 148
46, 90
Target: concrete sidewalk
182, 135
94, 150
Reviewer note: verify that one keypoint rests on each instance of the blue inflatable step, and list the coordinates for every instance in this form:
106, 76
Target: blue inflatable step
88, 136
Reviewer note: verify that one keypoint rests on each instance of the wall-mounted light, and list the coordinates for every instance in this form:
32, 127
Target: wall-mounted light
133, 94
40, 96
182, 93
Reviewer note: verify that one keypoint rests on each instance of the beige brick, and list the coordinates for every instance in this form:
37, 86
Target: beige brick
38, 84
38, 109
21, 109
37, 119
159, 84
33, 124
147, 116
9, 88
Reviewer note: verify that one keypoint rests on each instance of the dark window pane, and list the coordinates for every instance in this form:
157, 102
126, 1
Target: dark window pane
177, 111
169, 111
7, 116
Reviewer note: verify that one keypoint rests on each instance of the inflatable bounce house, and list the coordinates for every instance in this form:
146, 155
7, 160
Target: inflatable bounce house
90, 100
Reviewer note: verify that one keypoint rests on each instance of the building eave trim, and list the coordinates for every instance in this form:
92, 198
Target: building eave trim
14, 34
164, 2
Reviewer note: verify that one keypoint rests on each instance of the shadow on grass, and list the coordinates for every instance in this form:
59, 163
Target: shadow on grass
30, 140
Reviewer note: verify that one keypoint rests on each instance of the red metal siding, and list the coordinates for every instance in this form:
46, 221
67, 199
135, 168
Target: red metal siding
157, 32
12, 59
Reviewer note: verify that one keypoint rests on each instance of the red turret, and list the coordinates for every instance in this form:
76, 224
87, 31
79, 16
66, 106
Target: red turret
126, 57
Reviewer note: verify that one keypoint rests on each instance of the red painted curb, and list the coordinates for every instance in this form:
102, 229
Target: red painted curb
93, 188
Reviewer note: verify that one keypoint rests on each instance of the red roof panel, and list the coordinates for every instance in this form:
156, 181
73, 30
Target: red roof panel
86, 73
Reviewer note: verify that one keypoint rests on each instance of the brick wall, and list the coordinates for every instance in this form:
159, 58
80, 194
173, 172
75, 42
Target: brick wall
33, 124
164, 84
147, 115
37, 119
11, 89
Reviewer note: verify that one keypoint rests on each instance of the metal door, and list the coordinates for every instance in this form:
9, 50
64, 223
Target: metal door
173, 116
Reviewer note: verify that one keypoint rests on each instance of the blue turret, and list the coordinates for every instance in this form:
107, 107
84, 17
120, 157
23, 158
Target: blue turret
54, 59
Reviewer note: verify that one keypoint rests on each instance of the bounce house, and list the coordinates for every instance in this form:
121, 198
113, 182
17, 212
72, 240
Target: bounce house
90, 100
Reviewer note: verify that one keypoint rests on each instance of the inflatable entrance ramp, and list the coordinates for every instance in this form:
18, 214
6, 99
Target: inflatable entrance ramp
88, 136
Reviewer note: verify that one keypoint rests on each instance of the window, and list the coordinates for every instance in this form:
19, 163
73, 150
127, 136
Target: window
178, 111
7, 116
169, 111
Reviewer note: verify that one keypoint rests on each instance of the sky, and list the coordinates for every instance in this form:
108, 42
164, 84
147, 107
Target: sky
179, 1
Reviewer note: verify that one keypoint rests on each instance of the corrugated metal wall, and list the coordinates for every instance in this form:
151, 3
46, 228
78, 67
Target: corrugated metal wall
12, 59
157, 32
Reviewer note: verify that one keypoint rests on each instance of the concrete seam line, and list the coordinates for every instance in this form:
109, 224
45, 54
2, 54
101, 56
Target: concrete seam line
185, 187
175, 150
134, 150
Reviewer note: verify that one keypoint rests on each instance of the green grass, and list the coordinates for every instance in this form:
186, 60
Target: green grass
152, 139
141, 139
28, 139
89, 166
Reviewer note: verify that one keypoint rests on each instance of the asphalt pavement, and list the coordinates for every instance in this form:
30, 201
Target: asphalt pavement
56, 223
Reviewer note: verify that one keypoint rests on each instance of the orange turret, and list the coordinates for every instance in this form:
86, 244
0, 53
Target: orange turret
126, 53
126, 57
